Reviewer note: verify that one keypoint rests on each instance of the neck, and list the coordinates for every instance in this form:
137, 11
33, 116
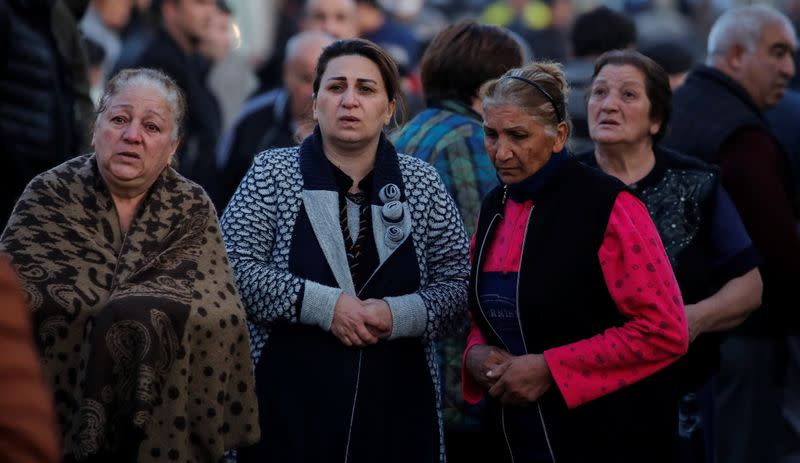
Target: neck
184, 43
629, 164
126, 206
356, 162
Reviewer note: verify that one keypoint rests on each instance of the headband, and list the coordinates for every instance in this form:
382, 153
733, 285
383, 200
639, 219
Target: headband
559, 116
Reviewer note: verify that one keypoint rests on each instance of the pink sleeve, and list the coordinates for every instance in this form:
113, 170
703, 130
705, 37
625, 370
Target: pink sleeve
470, 388
641, 283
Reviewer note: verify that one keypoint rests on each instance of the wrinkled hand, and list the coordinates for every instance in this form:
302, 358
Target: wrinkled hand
351, 318
521, 380
381, 309
481, 359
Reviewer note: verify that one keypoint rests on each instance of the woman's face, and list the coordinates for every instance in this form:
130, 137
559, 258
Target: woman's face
351, 105
133, 139
619, 109
517, 144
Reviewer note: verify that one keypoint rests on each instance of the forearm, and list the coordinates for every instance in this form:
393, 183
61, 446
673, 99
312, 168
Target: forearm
726, 308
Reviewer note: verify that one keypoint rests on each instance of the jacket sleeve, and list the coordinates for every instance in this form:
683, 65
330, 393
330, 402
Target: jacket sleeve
434, 310
252, 225
641, 283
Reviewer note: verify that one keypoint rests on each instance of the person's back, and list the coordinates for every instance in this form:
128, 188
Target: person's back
174, 50
718, 116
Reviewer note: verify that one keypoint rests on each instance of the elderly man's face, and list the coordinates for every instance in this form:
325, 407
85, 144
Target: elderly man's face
765, 72
336, 17
298, 76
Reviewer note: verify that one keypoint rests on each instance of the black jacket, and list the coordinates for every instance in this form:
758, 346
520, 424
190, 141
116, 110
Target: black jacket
563, 298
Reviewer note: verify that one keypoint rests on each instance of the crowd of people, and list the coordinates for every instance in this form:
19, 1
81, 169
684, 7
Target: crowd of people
531, 236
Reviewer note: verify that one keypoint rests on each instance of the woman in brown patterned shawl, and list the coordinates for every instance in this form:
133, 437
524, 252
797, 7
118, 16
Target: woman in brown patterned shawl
141, 329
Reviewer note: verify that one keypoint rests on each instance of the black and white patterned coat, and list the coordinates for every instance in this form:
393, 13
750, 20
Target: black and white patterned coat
284, 189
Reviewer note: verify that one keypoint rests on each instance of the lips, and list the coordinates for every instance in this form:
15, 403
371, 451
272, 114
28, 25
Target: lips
609, 122
129, 155
349, 119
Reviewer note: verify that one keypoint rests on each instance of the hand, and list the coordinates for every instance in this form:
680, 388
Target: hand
521, 380
481, 359
381, 309
350, 321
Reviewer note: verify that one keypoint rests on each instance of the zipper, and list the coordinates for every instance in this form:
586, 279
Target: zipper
353, 410
477, 276
522, 335
358, 380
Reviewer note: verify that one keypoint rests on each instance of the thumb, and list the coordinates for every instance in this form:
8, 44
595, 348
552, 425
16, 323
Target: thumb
498, 371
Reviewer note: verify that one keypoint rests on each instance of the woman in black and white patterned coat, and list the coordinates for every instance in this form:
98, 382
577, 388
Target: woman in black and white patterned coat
351, 260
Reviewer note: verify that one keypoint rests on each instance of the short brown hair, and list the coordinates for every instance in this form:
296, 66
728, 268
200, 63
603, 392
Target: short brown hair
463, 56
656, 83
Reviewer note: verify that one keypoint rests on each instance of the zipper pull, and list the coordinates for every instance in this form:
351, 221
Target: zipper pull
505, 195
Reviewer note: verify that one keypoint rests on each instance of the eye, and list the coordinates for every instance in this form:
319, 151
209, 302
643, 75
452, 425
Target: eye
598, 91
489, 133
629, 94
118, 120
152, 128
335, 87
367, 89
519, 135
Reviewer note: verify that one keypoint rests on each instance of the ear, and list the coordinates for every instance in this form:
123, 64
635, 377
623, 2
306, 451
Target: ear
735, 56
390, 112
655, 127
562, 132
314, 106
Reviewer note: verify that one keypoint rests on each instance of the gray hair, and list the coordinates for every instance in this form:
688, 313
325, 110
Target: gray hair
508, 90
743, 26
294, 44
147, 78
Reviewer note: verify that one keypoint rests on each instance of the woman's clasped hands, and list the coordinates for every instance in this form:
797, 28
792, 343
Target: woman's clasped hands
513, 380
361, 323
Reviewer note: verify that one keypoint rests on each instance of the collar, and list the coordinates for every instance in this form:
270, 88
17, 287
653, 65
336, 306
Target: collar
527, 188
318, 173
457, 107
711, 73
344, 182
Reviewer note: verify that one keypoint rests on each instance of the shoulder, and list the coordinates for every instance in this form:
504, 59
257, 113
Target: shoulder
675, 160
277, 159
411, 166
261, 105
78, 170
590, 177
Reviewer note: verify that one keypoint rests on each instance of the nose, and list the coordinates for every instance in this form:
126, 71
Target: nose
349, 99
788, 66
132, 133
503, 151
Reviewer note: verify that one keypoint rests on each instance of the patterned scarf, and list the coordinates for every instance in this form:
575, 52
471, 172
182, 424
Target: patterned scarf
142, 334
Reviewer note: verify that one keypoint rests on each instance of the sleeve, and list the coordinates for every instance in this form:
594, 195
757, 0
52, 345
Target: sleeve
641, 283
28, 429
759, 189
436, 308
470, 388
250, 227
733, 252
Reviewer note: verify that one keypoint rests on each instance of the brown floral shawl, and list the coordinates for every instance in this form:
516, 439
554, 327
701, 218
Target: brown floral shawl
143, 335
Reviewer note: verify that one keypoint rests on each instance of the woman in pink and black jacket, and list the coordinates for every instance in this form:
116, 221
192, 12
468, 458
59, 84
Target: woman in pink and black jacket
573, 300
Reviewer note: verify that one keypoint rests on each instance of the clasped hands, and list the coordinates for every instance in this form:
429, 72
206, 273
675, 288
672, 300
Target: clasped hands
513, 380
361, 323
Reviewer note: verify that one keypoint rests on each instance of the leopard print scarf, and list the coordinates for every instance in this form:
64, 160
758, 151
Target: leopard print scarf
143, 336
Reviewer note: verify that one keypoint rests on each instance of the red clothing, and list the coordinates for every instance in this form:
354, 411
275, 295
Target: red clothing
641, 283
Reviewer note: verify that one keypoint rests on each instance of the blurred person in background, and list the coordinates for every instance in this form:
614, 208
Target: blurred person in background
711, 254
175, 50
378, 25
675, 58
278, 118
28, 429
104, 23
543, 24
44, 91
593, 33
718, 116
449, 135
335, 17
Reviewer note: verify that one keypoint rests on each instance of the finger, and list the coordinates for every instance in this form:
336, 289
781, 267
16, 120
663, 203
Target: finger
365, 336
498, 371
497, 390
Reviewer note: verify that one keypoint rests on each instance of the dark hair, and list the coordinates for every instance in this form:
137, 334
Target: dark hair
539, 89
671, 55
600, 30
372, 52
461, 57
656, 82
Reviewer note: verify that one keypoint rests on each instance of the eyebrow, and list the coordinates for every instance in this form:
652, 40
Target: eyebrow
359, 80
128, 106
